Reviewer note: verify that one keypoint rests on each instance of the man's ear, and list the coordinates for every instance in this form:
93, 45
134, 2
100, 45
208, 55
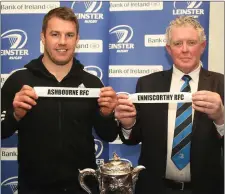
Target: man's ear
78, 38
43, 38
168, 48
203, 45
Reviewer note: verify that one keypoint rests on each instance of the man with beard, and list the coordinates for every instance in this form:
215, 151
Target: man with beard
55, 133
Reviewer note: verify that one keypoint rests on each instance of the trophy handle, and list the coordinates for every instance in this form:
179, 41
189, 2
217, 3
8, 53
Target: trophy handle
135, 173
83, 173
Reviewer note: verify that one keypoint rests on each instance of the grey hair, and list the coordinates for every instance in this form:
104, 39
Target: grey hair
184, 21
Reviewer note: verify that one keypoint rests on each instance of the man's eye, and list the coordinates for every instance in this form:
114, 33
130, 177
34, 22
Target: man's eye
192, 42
70, 35
177, 43
54, 34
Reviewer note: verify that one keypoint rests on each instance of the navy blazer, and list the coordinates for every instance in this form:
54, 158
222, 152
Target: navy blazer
151, 128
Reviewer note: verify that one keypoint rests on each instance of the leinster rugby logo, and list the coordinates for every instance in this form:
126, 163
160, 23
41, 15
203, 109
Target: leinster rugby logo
88, 11
14, 40
11, 184
192, 8
98, 148
121, 36
95, 71
17, 38
187, 4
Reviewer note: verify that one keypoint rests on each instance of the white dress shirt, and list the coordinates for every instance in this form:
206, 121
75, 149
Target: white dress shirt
172, 172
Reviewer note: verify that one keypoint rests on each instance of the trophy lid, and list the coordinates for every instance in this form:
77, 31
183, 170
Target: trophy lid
116, 166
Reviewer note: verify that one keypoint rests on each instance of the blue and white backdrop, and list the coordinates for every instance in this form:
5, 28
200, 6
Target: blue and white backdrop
119, 42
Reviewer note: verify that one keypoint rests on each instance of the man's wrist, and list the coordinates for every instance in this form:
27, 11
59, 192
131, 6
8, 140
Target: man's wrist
16, 117
220, 129
219, 121
110, 114
128, 127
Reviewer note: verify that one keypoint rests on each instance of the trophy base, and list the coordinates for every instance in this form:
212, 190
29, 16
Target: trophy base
118, 192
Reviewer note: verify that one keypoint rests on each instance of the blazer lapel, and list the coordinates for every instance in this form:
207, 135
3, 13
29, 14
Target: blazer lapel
166, 78
203, 84
163, 115
204, 81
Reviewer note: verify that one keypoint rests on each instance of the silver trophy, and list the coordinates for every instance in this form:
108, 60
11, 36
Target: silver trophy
115, 177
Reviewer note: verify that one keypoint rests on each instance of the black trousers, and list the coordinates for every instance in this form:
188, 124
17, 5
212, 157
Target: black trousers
67, 187
63, 186
54, 191
172, 191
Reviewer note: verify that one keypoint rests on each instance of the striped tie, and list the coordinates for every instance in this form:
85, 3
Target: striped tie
183, 127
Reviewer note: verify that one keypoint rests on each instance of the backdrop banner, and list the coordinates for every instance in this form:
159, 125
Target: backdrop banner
119, 42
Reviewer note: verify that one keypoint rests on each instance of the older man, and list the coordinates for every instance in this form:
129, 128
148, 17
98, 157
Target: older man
181, 143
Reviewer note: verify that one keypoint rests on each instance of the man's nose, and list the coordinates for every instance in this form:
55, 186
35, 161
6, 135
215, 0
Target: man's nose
62, 40
185, 47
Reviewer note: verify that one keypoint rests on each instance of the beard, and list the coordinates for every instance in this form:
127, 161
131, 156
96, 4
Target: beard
58, 62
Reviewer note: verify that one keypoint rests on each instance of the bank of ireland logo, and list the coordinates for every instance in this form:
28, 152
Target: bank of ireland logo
88, 11
121, 36
12, 184
97, 71
192, 8
14, 41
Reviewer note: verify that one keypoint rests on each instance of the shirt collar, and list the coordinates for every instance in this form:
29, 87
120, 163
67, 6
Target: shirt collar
194, 74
